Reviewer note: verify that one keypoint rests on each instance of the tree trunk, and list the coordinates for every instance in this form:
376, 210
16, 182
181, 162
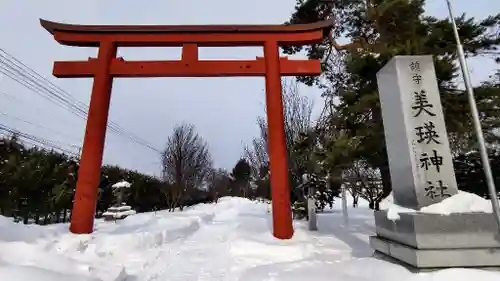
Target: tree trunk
371, 205
179, 202
58, 216
65, 214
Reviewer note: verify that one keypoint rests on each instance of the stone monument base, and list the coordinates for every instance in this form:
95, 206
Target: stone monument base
431, 241
118, 213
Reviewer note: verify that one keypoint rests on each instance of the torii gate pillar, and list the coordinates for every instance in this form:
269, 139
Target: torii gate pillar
106, 66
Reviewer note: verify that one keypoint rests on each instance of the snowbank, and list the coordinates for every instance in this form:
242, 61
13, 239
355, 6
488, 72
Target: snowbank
29, 273
11, 231
462, 202
228, 241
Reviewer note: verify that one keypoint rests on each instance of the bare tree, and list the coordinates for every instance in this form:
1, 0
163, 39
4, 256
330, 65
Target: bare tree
352, 185
366, 182
297, 118
186, 164
219, 183
351, 177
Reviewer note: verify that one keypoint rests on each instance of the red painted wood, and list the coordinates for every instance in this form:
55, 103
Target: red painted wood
177, 40
278, 158
188, 68
89, 173
106, 66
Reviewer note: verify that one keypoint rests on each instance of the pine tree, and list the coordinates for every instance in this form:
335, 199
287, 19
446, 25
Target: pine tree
379, 30
241, 175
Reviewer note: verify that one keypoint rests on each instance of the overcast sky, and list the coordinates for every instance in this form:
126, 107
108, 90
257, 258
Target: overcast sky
223, 110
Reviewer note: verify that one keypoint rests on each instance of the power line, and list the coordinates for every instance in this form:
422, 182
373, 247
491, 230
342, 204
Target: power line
35, 83
34, 124
27, 77
26, 141
37, 141
43, 143
32, 108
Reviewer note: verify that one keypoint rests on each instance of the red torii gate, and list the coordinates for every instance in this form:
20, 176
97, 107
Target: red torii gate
107, 66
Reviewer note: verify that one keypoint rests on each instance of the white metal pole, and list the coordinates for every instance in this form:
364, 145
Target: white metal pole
344, 205
475, 118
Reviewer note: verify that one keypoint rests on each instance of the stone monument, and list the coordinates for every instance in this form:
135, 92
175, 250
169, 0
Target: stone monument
422, 174
120, 210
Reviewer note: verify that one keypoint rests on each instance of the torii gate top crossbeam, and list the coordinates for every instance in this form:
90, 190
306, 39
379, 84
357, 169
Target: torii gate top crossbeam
177, 35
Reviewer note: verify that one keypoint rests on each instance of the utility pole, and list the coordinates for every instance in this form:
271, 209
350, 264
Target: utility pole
475, 119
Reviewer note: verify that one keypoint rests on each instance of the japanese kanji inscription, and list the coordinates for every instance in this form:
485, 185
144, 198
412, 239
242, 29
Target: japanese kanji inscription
417, 143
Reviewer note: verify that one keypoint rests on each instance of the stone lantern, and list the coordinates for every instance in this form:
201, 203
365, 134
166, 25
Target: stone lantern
120, 210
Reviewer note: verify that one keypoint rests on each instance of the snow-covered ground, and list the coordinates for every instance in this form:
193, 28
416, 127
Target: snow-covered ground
230, 240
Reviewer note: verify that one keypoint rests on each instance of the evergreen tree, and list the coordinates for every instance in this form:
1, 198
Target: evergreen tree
379, 30
241, 178
37, 185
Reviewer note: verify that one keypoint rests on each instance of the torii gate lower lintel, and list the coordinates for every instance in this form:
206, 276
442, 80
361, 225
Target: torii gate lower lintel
107, 66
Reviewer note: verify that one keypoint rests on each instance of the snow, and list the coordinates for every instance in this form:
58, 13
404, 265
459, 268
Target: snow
394, 211
120, 209
118, 215
462, 202
227, 241
21, 273
119, 212
121, 184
